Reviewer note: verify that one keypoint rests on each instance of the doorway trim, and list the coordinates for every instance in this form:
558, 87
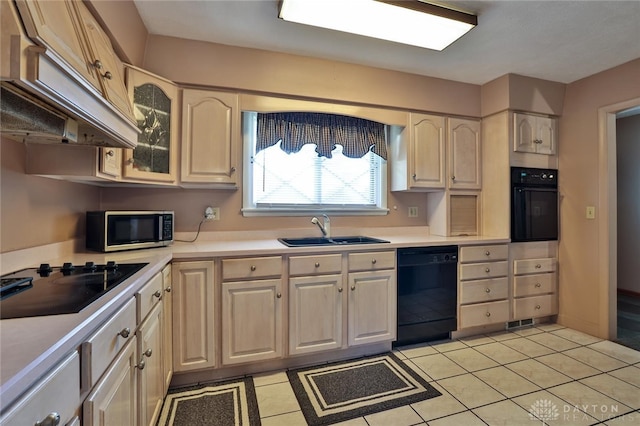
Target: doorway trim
608, 208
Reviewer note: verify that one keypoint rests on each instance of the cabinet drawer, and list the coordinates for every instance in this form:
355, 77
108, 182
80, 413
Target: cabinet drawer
534, 266
483, 253
103, 346
372, 260
148, 296
536, 306
484, 314
484, 290
475, 271
318, 264
57, 392
529, 285
251, 267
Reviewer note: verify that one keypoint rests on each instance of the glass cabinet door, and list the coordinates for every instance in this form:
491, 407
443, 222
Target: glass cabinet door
154, 104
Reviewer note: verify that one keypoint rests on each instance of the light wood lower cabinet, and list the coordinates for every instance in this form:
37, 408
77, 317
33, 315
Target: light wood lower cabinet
483, 289
57, 392
372, 307
167, 328
114, 400
251, 320
534, 279
315, 313
150, 367
194, 331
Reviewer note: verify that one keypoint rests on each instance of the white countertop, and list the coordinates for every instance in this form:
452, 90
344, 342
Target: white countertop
29, 347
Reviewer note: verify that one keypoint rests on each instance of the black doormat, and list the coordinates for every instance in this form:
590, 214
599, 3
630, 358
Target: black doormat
341, 391
229, 403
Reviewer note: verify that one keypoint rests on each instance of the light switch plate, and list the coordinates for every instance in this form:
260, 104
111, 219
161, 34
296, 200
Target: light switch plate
413, 212
591, 212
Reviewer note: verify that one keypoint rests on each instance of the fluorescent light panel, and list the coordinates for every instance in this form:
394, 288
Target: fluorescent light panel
409, 22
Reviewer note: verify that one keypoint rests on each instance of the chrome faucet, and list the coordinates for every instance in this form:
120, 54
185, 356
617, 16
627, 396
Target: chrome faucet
325, 227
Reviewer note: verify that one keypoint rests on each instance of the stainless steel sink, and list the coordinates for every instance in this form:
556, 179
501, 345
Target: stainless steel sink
321, 241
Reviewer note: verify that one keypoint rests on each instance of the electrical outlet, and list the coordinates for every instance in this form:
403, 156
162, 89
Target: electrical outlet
212, 213
413, 212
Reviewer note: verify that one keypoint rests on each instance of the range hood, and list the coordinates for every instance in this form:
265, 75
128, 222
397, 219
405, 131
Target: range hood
27, 119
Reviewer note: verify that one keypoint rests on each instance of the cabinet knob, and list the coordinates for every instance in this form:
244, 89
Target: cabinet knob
97, 64
317, 264
110, 153
353, 288
157, 294
487, 253
107, 75
141, 364
488, 290
168, 289
373, 261
148, 353
125, 332
453, 177
537, 306
538, 266
339, 289
233, 169
278, 295
253, 267
538, 285
52, 419
414, 176
487, 270
488, 314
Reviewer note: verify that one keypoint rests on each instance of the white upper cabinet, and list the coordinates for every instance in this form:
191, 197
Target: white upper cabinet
535, 134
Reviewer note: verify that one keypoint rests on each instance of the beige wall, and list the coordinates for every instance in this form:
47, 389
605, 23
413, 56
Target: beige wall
628, 177
35, 211
522, 93
582, 245
268, 72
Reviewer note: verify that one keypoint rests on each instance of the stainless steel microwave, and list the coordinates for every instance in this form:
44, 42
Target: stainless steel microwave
115, 230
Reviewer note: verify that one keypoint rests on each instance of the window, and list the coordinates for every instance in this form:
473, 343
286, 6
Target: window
300, 163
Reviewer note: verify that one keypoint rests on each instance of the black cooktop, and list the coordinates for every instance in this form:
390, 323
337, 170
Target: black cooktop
66, 289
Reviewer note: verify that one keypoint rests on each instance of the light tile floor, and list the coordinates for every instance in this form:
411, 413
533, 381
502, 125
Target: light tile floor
568, 377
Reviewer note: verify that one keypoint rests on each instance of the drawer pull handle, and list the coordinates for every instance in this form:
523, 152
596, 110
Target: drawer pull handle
53, 419
253, 267
317, 264
353, 288
168, 289
487, 270
488, 290
538, 285
537, 306
141, 364
488, 314
125, 332
373, 261
487, 253
157, 294
538, 266
148, 353
339, 289
278, 295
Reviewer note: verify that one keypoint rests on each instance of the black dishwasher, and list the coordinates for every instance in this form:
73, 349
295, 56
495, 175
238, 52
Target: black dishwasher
427, 293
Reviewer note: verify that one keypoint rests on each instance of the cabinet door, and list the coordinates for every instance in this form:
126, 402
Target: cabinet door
110, 161
193, 315
210, 137
114, 400
167, 328
154, 108
464, 154
315, 313
524, 127
547, 134
372, 307
55, 24
108, 66
151, 377
251, 321
427, 151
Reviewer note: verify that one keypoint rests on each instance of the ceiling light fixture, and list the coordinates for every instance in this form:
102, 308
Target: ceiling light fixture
410, 22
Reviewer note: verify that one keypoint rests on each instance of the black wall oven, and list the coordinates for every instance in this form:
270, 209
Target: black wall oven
534, 204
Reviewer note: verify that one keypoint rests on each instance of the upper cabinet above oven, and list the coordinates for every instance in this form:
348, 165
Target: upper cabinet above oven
535, 134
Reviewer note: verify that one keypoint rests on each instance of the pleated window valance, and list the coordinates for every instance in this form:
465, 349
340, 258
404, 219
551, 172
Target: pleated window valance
295, 129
